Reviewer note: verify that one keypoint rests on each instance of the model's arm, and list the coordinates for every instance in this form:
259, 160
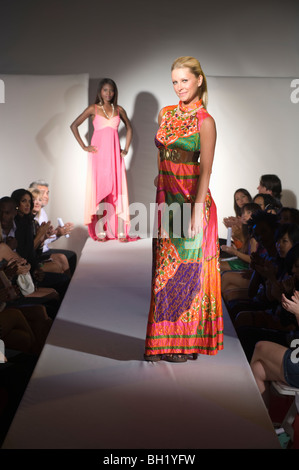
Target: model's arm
128, 126
158, 154
207, 148
88, 112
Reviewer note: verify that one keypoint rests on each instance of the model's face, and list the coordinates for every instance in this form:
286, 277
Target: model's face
38, 204
283, 245
44, 194
107, 93
25, 204
7, 214
241, 199
186, 85
260, 201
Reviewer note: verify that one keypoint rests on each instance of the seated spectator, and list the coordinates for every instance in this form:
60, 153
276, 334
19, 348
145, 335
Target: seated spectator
37, 202
276, 279
15, 330
249, 243
26, 244
288, 215
267, 203
7, 221
270, 184
241, 197
56, 262
279, 333
274, 362
14, 377
13, 265
59, 231
250, 293
23, 328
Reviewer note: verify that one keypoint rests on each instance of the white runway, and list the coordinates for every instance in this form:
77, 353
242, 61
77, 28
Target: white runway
91, 388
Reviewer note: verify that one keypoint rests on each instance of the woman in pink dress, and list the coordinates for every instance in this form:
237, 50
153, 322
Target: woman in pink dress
107, 205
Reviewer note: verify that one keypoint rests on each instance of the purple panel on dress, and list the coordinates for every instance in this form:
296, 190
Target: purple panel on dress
179, 292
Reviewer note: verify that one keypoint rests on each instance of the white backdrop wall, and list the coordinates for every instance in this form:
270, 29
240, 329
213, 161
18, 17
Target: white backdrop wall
249, 53
256, 122
36, 142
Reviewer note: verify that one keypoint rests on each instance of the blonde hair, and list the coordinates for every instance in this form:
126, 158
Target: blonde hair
35, 191
194, 66
35, 194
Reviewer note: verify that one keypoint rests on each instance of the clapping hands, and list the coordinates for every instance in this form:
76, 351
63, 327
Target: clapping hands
291, 305
65, 230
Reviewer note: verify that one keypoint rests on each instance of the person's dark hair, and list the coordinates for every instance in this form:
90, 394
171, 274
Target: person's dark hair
291, 258
286, 318
111, 82
292, 230
262, 217
19, 193
272, 183
6, 200
270, 202
251, 206
294, 214
237, 209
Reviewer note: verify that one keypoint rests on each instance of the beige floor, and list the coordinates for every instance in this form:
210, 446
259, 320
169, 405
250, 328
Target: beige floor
92, 390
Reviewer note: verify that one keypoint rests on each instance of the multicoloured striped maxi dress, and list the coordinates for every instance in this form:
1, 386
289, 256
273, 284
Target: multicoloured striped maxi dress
186, 309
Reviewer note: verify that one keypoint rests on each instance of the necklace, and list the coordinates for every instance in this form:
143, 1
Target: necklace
108, 117
189, 109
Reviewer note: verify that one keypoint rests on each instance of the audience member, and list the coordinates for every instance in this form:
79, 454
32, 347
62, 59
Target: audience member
54, 262
24, 329
241, 197
267, 202
28, 324
288, 215
71, 256
14, 377
25, 236
7, 221
249, 243
270, 184
250, 294
250, 335
29, 235
37, 202
275, 362
13, 265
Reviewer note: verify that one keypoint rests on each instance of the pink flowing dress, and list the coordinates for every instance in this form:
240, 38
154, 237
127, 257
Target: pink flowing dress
106, 180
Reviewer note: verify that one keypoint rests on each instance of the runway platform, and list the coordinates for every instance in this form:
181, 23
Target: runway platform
91, 388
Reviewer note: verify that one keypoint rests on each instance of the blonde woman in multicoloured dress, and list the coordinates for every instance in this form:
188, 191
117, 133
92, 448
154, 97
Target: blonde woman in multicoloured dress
185, 317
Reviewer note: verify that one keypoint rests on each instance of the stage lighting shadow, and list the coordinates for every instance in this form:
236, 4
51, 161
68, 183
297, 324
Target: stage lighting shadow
96, 341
